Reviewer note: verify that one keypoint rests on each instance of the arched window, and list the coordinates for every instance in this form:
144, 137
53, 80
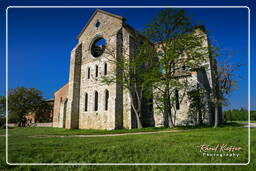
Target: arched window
184, 67
97, 24
106, 99
88, 73
96, 71
85, 102
105, 69
65, 113
177, 99
96, 101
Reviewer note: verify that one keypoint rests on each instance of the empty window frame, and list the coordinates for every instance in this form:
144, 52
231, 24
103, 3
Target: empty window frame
96, 101
177, 99
105, 69
85, 102
96, 71
88, 73
106, 99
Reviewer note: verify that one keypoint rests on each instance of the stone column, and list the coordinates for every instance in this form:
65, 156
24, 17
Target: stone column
119, 87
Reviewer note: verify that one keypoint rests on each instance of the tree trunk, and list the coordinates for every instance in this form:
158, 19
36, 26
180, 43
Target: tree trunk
169, 108
139, 125
200, 117
137, 114
216, 118
169, 114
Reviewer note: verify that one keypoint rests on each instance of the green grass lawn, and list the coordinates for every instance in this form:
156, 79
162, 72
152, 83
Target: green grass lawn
173, 147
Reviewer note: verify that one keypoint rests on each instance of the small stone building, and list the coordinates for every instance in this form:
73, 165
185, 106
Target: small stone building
84, 102
44, 117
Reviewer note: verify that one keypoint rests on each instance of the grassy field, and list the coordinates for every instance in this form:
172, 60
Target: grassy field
172, 147
244, 121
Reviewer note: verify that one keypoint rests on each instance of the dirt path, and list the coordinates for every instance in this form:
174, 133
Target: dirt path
102, 135
252, 125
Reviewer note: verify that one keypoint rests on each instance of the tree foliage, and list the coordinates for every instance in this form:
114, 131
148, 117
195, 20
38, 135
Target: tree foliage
2, 111
161, 67
131, 68
180, 50
2, 106
224, 79
239, 115
198, 108
22, 101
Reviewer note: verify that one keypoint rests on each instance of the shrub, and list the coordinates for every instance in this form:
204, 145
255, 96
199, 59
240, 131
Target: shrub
238, 115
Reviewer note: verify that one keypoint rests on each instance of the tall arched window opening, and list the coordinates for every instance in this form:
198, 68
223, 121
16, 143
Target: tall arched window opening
177, 99
85, 102
106, 99
88, 73
96, 101
96, 71
64, 113
105, 69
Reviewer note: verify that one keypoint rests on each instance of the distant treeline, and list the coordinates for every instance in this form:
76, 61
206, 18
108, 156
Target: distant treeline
239, 115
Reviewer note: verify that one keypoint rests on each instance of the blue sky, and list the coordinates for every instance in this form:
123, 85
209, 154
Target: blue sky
40, 40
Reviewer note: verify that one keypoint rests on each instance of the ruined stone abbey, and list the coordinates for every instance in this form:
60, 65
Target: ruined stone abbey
84, 103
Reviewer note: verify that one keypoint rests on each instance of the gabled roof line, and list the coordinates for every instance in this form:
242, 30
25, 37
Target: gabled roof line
95, 12
61, 87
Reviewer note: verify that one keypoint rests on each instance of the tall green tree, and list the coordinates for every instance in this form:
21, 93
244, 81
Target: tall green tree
225, 79
2, 106
181, 50
22, 101
2, 111
131, 68
159, 67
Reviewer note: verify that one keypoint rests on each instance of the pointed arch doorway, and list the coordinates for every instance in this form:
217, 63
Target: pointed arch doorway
63, 110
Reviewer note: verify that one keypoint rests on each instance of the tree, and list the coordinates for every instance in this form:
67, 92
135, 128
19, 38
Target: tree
42, 112
198, 105
22, 101
224, 79
2, 110
181, 51
160, 67
2, 106
131, 66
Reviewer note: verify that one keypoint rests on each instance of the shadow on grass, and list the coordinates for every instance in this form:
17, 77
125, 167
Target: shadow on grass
62, 131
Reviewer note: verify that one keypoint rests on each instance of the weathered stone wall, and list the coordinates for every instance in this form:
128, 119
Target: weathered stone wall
179, 117
131, 41
43, 124
183, 116
201, 78
119, 43
101, 119
127, 110
59, 96
119, 87
71, 112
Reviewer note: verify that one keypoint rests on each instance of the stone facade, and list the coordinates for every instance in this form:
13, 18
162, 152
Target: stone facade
84, 102
60, 98
42, 117
199, 79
